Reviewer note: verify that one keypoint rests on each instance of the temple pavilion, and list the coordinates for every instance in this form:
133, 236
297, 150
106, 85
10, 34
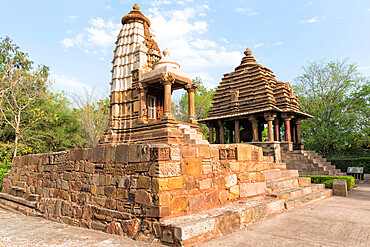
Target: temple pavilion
246, 100
141, 87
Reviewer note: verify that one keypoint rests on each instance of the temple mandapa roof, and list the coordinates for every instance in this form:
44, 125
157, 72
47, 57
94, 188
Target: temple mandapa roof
250, 89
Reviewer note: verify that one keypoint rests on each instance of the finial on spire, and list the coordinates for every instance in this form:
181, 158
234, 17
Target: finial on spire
136, 7
166, 52
248, 52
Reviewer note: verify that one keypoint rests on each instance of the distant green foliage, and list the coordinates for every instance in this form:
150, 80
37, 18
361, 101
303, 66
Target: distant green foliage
202, 100
324, 179
4, 168
338, 97
344, 163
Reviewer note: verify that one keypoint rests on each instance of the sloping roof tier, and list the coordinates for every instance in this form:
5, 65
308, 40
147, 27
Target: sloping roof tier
252, 88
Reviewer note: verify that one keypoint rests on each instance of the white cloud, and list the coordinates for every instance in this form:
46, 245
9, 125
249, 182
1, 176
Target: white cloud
70, 19
278, 43
368, 10
314, 19
310, 3
101, 34
247, 11
257, 45
364, 68
72, 42
224, 40
68, 84
184, 33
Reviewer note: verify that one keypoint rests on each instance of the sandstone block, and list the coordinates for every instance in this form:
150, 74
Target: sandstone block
143, 197
179, 204
193, 166
207, 168
271, 175
115, 228
124, 182
164, 199
135, 153
144, 182
65, 185
199, 228
110, 191
164, 184
304, 181
122, 154
167, 236
227, 223
231, 180
214, 153
274, 207
196, 202
243, 152
89, 168
340, 187
99, 153
205, 183
175, 154
188, 151
234, 192
121, 193
204, 152
252, 189
98, 200
248, 216
223, 196
234, 166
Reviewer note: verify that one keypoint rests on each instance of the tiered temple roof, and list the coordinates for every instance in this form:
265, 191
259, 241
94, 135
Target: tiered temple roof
252, 88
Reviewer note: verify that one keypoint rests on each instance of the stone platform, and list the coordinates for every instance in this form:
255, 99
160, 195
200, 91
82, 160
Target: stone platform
174, 194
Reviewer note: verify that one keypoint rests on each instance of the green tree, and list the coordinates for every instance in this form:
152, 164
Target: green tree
20, 87
93, 114
202, 102
331, 92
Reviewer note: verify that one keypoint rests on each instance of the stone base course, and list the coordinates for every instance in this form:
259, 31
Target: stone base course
175, 194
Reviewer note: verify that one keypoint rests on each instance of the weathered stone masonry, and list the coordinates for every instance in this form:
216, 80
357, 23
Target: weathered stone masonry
129, 189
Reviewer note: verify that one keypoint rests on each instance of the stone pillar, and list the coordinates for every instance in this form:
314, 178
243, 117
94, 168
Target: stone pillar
287, 118
167, 81
210, 139
191, 110
254, 122
294, 136
218, 135
298, 130
237, 131
142, 89
222, 131
277, 129
269, 117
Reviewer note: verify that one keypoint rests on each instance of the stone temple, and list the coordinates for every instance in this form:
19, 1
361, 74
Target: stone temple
157, 180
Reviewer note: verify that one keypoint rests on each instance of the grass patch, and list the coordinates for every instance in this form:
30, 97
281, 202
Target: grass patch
328, 180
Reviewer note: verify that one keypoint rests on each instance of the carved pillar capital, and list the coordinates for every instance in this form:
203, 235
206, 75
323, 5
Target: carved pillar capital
269, 116
167, 79
286, 117
191, 87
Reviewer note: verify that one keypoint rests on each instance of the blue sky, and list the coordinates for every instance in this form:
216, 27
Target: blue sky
207, 38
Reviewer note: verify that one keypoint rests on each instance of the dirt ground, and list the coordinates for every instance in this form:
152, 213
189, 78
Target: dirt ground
335, 221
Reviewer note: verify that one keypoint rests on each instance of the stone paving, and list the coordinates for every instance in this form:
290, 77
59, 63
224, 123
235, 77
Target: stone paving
336, 221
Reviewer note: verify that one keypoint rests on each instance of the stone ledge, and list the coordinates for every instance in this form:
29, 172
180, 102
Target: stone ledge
18, 200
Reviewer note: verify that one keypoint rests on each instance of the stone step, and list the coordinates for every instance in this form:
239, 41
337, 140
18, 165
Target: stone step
299, 191
17, 207
18, 200
278, 174
191, 230
304, 199
283, 184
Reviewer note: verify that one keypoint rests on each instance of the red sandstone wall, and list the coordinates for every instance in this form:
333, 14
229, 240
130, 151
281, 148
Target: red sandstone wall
126, 189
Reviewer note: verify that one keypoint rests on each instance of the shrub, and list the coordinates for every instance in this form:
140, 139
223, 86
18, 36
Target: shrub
4, 168
320, 179
344, 163
329, 183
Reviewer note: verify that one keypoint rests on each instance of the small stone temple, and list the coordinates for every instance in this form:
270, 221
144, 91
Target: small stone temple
141, 88
247, 99
157, 180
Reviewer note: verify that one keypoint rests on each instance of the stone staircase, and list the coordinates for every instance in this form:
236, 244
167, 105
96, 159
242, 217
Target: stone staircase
282, 190
191, 135
308, 162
